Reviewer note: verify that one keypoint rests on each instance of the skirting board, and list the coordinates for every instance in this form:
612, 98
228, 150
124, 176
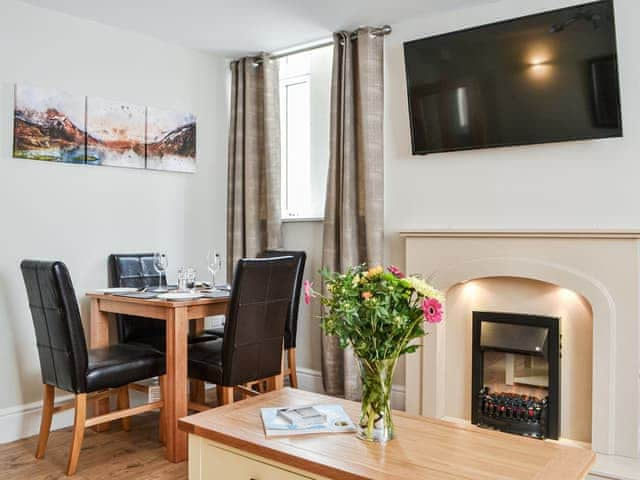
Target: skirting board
24, 420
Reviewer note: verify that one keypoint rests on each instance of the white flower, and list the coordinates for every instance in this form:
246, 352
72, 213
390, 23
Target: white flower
424, 289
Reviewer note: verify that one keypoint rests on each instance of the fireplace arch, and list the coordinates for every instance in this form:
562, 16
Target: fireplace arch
547, 259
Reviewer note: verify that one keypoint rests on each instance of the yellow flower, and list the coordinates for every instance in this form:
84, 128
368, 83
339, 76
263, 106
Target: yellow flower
355, 281
373, 271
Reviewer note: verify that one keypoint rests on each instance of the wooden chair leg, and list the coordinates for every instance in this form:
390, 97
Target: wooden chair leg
278, 380
197, 391
219, 394
291, 359
78, 432
45, 422
163, 412
227, 394
123, 404
270, 384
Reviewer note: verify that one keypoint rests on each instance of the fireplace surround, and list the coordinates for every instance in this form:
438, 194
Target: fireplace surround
601, 266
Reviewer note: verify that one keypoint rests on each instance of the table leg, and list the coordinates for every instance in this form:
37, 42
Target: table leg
197, 387
99, 337
176, 401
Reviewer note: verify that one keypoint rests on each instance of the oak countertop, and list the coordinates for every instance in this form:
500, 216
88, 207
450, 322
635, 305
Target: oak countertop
423, 448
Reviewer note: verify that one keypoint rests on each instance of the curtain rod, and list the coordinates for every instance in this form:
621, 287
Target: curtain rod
384, 30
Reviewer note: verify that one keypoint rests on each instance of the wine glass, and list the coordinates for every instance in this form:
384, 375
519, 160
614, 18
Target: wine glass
160, 264
214, 265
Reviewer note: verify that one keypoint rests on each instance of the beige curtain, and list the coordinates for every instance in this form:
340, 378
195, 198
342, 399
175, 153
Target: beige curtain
253, 198
353, 223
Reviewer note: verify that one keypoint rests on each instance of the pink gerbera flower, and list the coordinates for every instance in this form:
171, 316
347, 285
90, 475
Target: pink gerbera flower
432, 310
396, 271
308, 292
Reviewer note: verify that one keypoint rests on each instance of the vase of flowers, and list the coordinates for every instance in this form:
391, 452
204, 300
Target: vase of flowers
377, 313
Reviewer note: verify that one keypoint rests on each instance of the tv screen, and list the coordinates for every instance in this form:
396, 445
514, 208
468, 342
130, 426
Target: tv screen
543, 78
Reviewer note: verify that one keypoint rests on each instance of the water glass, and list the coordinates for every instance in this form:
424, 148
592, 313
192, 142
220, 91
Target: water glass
186, 279
190, 276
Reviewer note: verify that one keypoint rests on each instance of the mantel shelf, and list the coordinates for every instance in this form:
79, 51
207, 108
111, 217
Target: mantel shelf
506, 233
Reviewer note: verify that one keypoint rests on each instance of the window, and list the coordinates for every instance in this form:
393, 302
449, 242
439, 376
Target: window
305, 97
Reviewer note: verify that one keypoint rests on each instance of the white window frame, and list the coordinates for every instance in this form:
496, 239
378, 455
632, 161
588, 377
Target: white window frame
285, 83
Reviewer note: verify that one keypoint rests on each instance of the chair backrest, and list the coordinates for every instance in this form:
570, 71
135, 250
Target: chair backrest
59, 334
254, 331
291, 327
135, 270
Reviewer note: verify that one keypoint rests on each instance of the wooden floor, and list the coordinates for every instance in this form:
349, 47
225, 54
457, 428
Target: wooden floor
109, 455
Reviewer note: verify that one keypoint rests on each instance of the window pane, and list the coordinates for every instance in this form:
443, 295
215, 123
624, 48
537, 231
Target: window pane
298, 178
305, 97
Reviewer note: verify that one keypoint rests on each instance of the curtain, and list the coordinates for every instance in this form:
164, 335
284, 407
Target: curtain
253, 199
353, 223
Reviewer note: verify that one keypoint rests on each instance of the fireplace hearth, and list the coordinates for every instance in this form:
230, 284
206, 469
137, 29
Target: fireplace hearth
516, 373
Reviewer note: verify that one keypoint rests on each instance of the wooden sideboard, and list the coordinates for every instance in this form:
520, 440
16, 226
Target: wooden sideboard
229, 443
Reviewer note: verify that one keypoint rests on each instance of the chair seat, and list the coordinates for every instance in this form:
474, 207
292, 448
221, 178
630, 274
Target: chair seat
120, 364
205, 361
217, 332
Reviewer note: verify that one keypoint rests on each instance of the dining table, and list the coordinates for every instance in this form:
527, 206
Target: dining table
179, 316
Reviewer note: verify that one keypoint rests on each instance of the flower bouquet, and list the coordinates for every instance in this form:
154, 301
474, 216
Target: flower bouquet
377, 313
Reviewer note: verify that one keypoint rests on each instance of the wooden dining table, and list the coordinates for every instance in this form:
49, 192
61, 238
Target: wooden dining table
178, 316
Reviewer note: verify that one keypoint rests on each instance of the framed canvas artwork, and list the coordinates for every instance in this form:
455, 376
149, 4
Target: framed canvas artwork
171, 140
115, 134
55, 126
48, 125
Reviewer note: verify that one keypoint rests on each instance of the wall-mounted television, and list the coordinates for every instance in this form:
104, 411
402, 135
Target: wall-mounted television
543, 78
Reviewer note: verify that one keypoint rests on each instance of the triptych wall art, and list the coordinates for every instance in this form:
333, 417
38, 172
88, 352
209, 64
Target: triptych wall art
55, 126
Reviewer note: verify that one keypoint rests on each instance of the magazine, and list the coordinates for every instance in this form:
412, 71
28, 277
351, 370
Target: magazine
275, 424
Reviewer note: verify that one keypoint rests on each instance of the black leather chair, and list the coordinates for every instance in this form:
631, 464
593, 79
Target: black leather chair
251, 349
65, 362
291, 327
136, 270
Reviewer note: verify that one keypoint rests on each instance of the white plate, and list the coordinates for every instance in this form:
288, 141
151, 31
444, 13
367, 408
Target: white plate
179, 296
117, 290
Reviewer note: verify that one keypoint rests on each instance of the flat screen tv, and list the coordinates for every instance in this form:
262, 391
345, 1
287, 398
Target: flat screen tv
544, 78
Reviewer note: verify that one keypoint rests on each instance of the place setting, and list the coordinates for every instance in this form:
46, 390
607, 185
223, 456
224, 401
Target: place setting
186, 286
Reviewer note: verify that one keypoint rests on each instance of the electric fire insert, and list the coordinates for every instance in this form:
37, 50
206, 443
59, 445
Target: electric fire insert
516, 373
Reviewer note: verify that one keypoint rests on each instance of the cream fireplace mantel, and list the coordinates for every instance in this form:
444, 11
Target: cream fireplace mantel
602, 266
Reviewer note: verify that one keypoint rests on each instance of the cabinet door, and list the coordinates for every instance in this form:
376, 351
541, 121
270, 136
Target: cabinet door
218, 463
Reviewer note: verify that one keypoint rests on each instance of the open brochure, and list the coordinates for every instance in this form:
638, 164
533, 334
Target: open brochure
337, 421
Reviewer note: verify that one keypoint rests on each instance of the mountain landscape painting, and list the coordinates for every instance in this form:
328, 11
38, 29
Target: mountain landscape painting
115, 134
171, 140
58, 127
48, 125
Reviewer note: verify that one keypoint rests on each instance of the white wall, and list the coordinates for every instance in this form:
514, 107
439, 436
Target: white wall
307, 236
80, 214
587, 184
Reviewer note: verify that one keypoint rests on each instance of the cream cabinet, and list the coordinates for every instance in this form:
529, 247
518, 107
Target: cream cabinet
229, 443
209, 460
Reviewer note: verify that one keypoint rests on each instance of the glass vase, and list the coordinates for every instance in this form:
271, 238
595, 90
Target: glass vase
376, 422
